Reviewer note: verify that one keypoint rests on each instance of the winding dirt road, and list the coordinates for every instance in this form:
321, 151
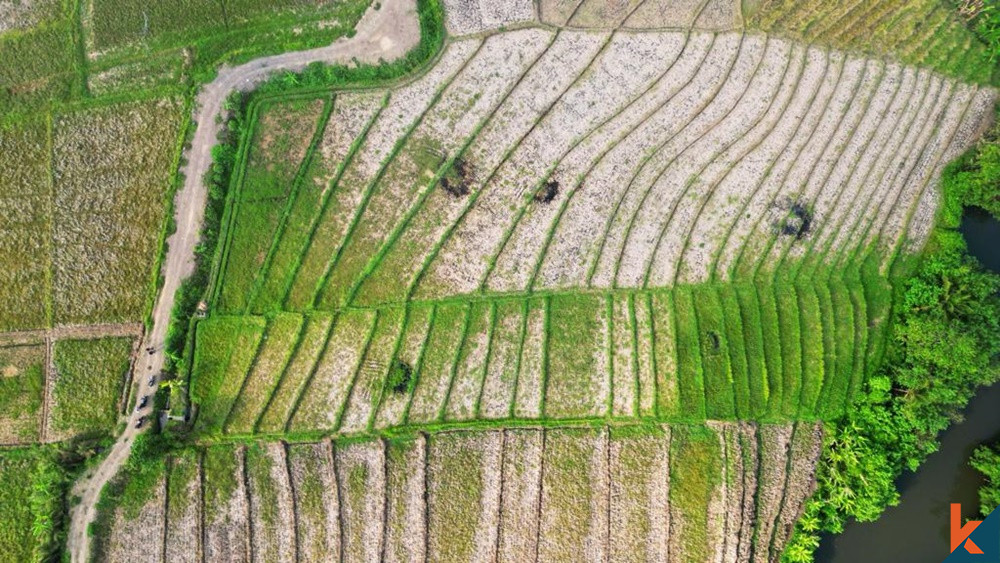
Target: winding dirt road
386, 33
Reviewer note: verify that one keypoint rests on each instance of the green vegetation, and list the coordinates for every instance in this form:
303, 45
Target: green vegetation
225, 349
927, 33
263, 190
32, 486
24, 245
22, 382
986, 460
694, 473
276, 349
90, 378
86, 196
113, 171
455, 498
945, 341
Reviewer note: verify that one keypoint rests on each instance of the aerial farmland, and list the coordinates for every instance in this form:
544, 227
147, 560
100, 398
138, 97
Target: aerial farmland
484, 280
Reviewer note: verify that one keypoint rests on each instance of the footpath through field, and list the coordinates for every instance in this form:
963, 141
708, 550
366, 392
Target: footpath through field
385, 33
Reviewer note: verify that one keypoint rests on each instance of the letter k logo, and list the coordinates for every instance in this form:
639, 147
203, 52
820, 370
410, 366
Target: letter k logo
960, 533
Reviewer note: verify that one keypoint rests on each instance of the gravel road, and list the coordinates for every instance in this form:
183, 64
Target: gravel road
386, 33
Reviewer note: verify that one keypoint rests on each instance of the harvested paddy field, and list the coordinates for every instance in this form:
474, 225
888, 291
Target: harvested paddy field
633, 492
586, 287
576, 223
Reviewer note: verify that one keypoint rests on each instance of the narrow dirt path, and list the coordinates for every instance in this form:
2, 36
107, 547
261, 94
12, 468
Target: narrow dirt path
386, 33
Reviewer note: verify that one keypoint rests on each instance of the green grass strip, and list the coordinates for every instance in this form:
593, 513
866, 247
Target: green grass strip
736, 344
720, 400
690, 376
812, 334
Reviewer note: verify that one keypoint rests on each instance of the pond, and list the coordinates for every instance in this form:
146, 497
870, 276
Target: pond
916, 530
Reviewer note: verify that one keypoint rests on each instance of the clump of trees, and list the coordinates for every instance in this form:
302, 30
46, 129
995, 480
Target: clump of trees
945, 343
986, 460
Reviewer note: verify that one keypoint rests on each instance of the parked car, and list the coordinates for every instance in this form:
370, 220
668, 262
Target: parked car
140, 422
143, 402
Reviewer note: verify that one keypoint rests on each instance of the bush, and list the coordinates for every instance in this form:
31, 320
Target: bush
986, 460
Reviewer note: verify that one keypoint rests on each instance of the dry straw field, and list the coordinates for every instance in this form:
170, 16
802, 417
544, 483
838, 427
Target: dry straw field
626, 493
572, 224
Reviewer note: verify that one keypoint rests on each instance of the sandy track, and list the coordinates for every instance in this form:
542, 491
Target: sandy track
387, 33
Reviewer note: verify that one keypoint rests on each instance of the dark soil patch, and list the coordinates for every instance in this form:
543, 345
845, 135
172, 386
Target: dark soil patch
797, 221
457, 181
547, 192
715, 340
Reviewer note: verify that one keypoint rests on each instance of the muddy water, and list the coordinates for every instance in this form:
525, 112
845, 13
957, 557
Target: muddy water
916, 531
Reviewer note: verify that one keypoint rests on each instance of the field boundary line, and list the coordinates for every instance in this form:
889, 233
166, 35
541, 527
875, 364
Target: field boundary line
646, 158
300, 393
50, 380
168, 470
522, 338
547, 336
334, 456
789, 454
376, 405
647, 269
599, 158
443, 409
809, 256
828, 317
713, 268
130, 379
746, 132
263, 272
648, 299
293, 494
243, 452
764, 138
541, 490
226, 420
705, 102
761, 259
490, 350
896, 249
418, 369
376, 181
609, 348
474, 197
356, 372
332, 186
230, 208
202, 528
296, 347
849, 256
786, 247
804, 403
397, 231
734, 267
50, 301
525, 205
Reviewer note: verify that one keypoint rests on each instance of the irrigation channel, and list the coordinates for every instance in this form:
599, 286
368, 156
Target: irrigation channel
916, 530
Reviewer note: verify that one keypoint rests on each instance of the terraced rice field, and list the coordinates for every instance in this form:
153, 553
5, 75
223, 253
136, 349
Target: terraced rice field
922, 32
578, 291
577, 224
634, 492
